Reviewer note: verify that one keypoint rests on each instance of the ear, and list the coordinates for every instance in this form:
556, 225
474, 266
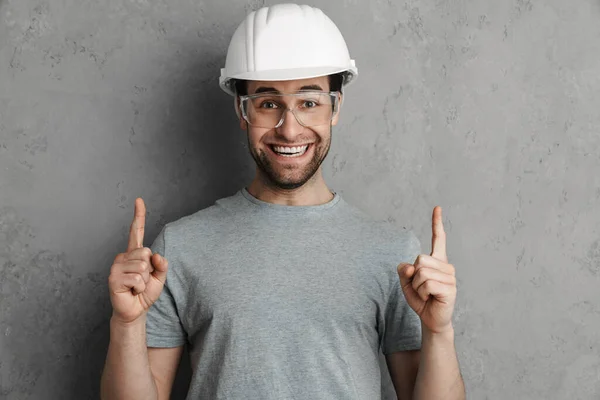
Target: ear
335, 119
238, 112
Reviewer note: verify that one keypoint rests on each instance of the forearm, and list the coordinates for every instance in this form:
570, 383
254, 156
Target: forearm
439, 374
127, 373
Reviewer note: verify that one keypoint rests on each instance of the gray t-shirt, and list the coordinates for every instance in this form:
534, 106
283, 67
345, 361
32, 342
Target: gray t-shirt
284, 302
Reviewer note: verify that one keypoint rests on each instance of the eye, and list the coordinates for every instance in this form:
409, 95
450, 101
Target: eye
268, 104
310, 104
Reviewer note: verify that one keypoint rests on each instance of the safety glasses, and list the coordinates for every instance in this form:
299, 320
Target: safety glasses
310, 108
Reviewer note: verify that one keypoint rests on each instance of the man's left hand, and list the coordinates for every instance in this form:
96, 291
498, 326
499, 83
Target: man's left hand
429, 285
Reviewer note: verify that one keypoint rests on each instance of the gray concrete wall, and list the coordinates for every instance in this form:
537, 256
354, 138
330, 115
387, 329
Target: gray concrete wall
487, 108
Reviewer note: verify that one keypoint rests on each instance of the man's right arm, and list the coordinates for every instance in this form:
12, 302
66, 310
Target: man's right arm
137, 278
134, 371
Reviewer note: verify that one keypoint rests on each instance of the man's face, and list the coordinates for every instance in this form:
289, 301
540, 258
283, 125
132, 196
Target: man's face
289, 172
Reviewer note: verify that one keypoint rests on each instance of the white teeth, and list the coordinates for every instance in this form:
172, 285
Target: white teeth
290, 150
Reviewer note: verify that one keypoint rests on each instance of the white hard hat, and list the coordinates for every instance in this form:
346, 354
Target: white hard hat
285, 42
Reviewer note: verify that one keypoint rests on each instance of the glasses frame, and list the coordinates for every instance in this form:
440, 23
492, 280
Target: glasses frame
336, 95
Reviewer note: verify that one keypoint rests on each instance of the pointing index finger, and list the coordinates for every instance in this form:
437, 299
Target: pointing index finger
438, 239
136, 232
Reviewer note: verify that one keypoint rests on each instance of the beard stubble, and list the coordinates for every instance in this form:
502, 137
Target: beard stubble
276, 175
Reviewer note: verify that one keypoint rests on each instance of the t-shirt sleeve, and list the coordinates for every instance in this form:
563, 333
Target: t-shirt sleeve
163, 326
402, 325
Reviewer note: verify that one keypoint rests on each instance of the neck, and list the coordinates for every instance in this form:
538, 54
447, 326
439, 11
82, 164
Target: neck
313, 192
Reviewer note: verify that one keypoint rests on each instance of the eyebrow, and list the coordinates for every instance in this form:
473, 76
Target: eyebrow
264, 89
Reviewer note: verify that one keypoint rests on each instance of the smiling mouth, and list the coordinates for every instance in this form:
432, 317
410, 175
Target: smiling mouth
294, 151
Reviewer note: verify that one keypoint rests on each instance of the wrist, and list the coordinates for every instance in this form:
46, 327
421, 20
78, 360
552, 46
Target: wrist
117, 322
447, 331
124, 333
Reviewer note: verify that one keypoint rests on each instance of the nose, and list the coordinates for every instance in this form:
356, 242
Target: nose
290, 127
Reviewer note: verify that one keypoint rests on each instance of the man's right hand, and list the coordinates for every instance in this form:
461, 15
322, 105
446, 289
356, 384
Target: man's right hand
136, 277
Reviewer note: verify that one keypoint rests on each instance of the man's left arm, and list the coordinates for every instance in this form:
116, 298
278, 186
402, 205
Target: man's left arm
403, 367
430, 373
429, 287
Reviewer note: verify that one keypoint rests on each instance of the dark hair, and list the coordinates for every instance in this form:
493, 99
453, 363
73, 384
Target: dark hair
335, 84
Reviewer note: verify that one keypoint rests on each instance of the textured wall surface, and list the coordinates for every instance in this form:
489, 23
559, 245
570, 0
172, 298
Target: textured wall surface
487, 108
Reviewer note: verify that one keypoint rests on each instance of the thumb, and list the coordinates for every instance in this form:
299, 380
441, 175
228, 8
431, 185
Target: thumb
406, 272
161, 265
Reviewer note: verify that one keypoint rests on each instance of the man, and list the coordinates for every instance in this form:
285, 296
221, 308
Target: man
283, 290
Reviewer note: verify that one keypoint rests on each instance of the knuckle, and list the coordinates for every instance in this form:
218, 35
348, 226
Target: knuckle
147, 252
417, 275
142, 266
421, 273
421, 259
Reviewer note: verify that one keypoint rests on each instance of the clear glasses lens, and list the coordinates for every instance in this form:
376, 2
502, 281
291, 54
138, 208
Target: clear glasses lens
265, 110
